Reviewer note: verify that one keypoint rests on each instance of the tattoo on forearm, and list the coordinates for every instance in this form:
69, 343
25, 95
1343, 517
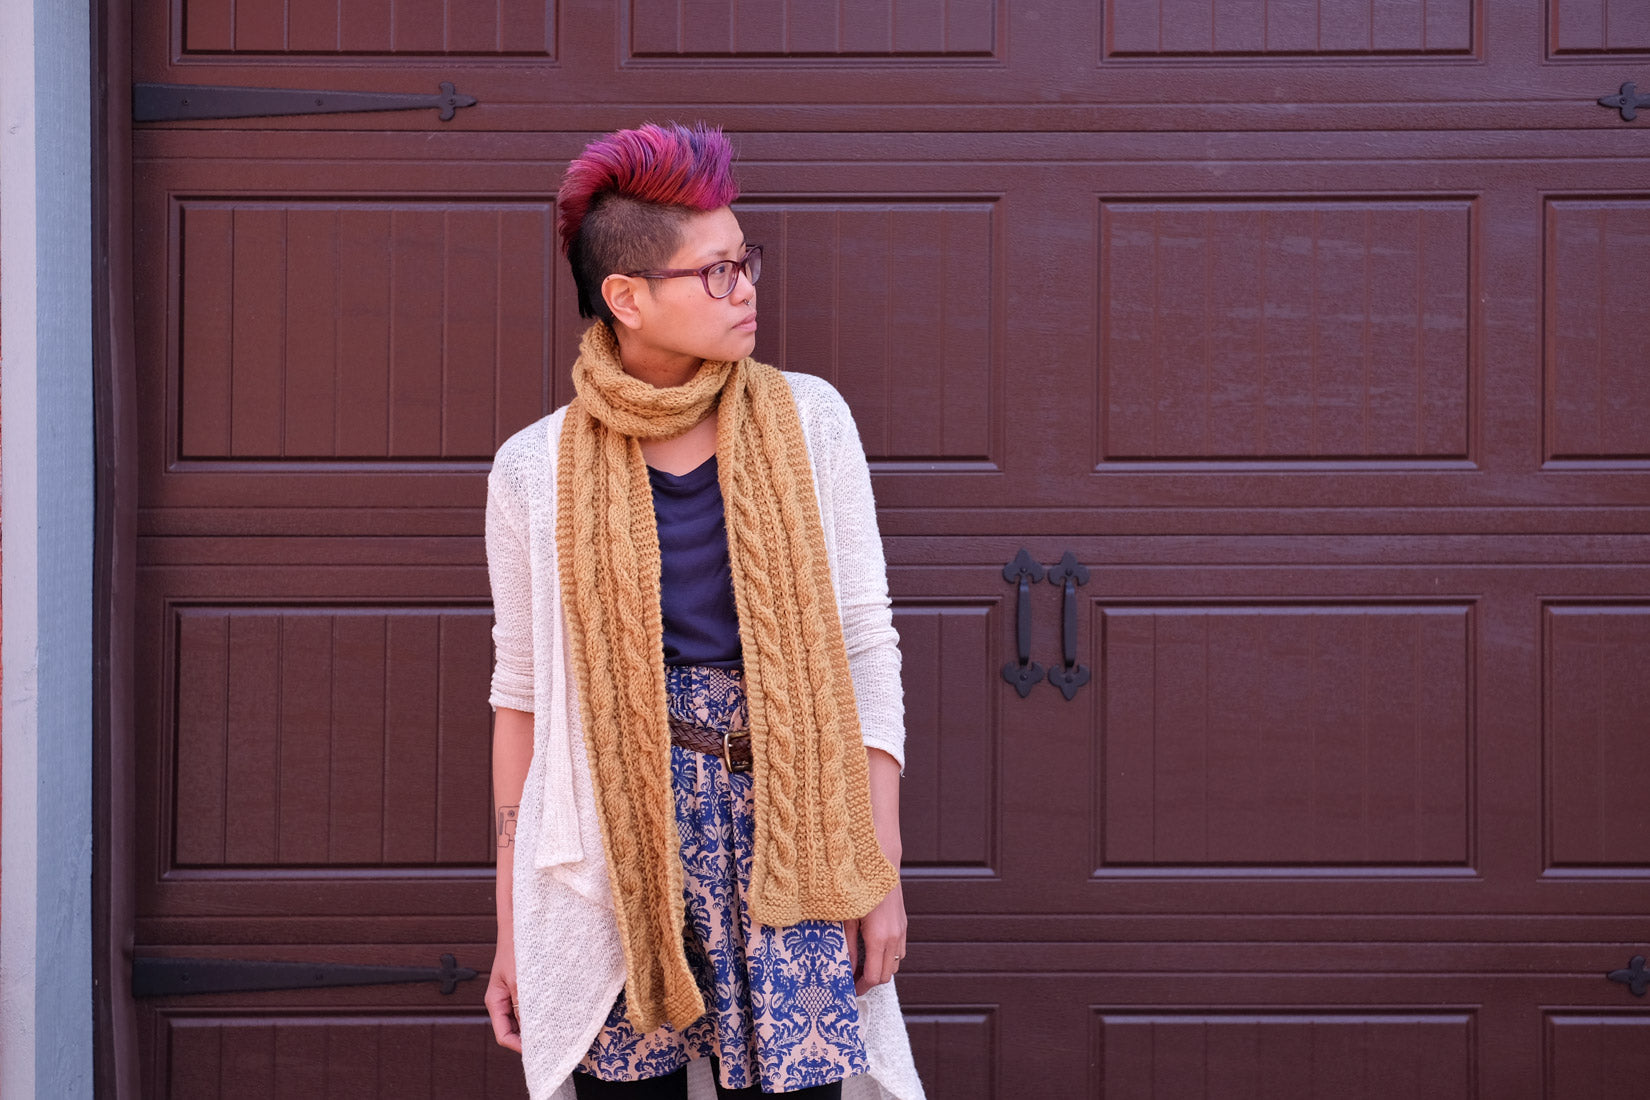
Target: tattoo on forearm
507, 826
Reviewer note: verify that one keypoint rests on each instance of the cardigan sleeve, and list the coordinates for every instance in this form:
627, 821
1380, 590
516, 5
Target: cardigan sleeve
510, 574
862, 589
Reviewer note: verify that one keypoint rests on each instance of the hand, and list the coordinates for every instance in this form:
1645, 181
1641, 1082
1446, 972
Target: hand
501, 996
882, 931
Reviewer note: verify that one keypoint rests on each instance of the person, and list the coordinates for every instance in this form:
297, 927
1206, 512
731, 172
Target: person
687, 578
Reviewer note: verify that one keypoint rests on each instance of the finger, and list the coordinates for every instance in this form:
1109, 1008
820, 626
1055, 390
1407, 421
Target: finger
850, 931
500, 1000
504, 1026
881, 964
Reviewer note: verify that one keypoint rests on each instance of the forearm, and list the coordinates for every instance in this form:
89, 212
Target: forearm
512, 754
884, 782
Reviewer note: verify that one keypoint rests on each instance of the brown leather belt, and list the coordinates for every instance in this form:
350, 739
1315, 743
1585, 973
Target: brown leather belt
734, 746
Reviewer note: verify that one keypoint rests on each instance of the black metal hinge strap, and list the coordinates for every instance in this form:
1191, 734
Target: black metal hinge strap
1627, 101
166, 977
181, 102
1024, 672
1070, 675
1634, 977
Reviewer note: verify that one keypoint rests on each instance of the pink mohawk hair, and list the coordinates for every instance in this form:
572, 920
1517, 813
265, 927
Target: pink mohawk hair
668, 165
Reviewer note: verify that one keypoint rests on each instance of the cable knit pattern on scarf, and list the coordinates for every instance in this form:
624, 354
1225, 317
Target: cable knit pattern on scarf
816, 854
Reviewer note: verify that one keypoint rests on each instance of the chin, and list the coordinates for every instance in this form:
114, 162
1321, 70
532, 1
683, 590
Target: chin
735, 350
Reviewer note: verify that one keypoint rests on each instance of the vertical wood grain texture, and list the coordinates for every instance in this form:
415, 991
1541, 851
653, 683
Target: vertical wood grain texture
208, 25
1256, 1056
947, 800
345, 1055
1597, 719
804, 28
1597, 363
320, 737
1283, 28
1598, 26
366, 28
1595, 1056
955, 1052
362, 330
894, 303
1284, 329
1285, 736
257, 364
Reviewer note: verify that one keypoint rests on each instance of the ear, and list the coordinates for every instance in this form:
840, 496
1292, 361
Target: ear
620, 292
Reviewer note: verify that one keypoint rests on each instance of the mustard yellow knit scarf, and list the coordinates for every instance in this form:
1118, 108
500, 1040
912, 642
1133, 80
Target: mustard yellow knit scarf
816, 852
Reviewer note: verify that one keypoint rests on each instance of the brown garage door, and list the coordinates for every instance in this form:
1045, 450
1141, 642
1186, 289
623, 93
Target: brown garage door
1312, 330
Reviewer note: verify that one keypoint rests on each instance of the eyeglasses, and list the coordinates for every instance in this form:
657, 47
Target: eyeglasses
719, 278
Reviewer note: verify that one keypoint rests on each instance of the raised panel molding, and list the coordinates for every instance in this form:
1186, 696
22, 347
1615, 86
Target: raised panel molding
1595, 699
366, 28
1364, 1055
948, 801
897, 304
1598, 27
340, 1053
798, 29
1285, 329
1596, 364
331, 736
361, 330
955, 1048
1281, 29
1256, 739
1593, 1056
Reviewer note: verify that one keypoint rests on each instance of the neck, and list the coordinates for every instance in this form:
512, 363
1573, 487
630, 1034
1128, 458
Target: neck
661, 370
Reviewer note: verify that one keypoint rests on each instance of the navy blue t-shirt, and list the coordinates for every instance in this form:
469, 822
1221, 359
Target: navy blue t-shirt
695, 579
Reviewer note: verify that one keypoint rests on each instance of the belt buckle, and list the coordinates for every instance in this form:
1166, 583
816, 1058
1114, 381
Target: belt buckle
727, 754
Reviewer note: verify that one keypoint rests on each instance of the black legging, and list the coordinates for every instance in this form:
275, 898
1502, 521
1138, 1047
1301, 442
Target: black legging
673, 1086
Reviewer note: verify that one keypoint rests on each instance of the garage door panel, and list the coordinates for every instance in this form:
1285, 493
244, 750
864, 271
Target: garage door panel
948, 800
1285, 736
1597, 693
955, 1048
310, 742
1288, 28
1598, 27
357, 1054
1591, 1055
1245, 1055
1285, 329
835, 29
899, 304
1598, 394
362, 29
357, 327
327, 735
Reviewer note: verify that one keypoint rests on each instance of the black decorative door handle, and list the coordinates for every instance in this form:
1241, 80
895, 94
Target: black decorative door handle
1024, 672
1633, 977
1627, 101
170, 977
1070, 675
180, 102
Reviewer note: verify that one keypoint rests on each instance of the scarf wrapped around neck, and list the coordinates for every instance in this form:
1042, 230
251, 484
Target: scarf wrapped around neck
816, 855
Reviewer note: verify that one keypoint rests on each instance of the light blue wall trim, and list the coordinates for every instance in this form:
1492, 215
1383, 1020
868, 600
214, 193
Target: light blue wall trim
64, 411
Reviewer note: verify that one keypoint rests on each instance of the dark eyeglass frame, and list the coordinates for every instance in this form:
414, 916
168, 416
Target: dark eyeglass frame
743, 265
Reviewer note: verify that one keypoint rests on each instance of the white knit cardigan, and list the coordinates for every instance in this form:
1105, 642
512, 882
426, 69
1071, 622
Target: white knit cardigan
569, 964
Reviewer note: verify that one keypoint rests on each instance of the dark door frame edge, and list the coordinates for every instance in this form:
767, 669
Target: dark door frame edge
114, 367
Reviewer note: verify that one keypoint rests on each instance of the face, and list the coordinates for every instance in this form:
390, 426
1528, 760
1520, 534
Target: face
674, 321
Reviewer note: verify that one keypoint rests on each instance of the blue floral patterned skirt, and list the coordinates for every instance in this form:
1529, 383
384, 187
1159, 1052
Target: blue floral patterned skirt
781, 1011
